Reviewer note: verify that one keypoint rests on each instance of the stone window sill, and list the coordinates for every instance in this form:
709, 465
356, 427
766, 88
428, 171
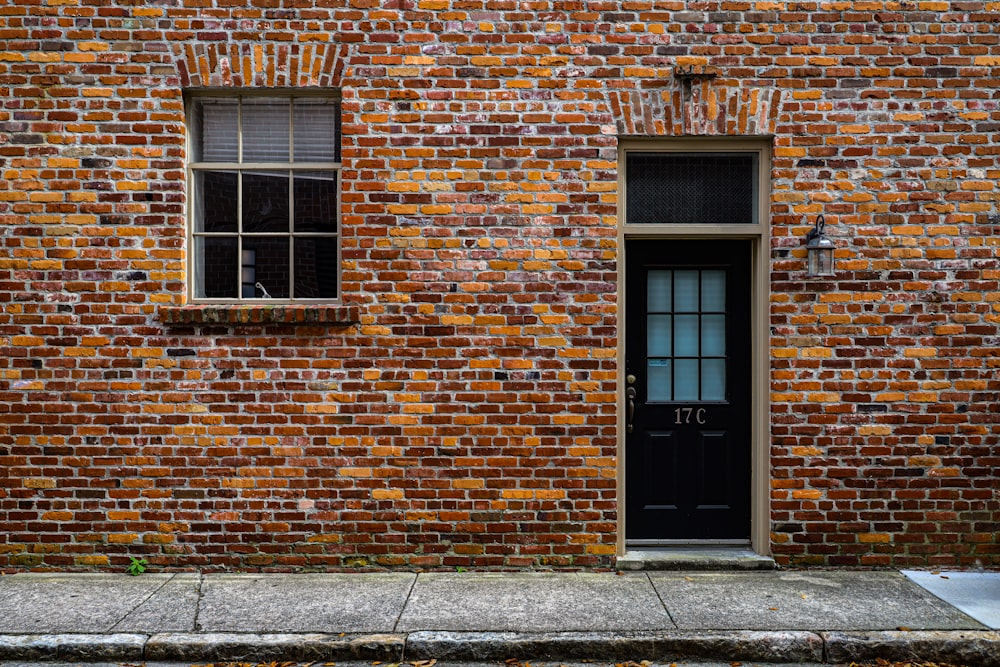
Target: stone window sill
247, 314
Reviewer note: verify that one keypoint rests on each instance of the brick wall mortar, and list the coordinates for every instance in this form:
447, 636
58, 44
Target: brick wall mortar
468, 418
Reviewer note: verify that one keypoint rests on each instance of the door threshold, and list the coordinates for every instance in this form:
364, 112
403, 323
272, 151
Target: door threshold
693, 558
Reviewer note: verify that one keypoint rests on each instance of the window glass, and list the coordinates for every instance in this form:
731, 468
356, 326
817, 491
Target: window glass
317, 127
265, 211
686, 334
315, 201
266, 130
691, 188
217, 197
265, 202
216, 267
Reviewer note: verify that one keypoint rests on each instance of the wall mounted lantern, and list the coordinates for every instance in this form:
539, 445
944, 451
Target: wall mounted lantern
820, 250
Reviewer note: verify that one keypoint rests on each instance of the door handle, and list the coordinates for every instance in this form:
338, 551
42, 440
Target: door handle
630, 397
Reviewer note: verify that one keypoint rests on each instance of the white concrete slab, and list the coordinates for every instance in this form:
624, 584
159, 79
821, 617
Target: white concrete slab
975, 593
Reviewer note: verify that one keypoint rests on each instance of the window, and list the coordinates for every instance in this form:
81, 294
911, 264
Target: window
691, 188
265, 175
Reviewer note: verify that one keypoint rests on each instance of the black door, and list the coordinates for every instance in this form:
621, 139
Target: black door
688, 390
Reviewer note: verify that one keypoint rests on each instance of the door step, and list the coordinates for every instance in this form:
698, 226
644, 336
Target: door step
693, 558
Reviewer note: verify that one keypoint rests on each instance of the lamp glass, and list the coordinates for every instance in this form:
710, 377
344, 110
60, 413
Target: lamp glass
820, 260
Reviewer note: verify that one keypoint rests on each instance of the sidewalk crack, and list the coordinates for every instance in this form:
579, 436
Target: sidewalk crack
144, 601
197, 607
402, 610
660, 598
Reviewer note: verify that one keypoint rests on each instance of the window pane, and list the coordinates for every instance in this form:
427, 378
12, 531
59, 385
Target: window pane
265, 130
686, 291
316, 267
216, 267
713, 291
216, 198
215, 130
686, 336
248, 273
690, 188
265, 202
713, 335
316, 201
658, 380
713, 379
316, 131
658, 336
685, 379
658, 297
271, 264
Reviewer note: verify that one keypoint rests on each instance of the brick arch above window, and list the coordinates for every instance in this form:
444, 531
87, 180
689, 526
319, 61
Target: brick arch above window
697, 107
260, 64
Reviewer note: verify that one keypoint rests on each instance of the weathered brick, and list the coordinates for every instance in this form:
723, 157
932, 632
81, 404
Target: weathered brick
466, 388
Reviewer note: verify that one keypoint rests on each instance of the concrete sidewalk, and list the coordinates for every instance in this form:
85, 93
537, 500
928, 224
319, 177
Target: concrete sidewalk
801, 617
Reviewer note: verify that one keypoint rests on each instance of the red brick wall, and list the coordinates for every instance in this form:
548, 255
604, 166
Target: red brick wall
468, 419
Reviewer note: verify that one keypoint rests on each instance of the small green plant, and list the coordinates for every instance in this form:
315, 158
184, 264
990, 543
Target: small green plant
136, 567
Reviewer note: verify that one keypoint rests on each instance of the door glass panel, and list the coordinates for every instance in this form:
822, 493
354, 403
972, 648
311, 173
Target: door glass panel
686, 336
686, 291
658, 291
713, 379
685, 379
713, 335
658, 336
713, 291
658, 380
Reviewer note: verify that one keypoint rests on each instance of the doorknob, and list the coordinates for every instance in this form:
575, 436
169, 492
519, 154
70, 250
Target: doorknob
630, 397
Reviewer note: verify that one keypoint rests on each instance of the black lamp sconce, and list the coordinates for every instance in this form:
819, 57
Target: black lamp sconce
819, 250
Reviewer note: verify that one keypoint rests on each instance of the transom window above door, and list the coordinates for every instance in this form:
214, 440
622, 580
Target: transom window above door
265, 184
703, 188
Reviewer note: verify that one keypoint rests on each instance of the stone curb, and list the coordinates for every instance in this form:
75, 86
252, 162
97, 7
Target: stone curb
73, 647
665, 646
252, 647
961, 647
980, 648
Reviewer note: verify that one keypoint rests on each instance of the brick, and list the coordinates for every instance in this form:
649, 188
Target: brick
469, 376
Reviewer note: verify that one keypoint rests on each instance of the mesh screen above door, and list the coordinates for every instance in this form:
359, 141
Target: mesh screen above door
690, 188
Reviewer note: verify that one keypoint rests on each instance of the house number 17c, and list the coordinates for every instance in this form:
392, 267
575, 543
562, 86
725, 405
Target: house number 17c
685, 415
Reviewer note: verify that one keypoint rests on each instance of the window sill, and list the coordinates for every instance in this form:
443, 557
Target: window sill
241, 314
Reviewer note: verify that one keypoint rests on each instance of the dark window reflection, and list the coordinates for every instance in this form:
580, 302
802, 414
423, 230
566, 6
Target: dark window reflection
217, 267
316, 201
218, 201
316, 267
265, 202
270, 256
